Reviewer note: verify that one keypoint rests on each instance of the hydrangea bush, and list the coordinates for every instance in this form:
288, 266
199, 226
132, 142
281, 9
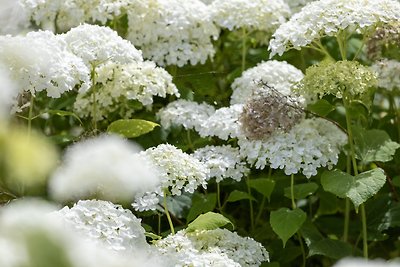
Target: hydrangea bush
199, 133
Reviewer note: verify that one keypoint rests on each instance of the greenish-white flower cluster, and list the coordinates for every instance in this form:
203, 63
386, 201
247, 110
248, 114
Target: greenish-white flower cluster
328, 18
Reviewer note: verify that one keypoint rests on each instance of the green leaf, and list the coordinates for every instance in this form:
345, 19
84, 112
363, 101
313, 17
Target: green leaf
208, 221
374, 145
301, 191
263, 186
391, 218
238, 195
201, 204
177, 205
337, 182
131, 128
321, 107
286, 222
328, 203
358, 189
334, 249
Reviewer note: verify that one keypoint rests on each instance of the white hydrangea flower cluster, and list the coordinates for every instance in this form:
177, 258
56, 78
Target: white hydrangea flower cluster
97, 45
260, 15
27, 223
172, 32
119, 83
177, 171
103, 222
108, 167
311, 144
13, 17
243, 251
41, 61
58, 15
183, 112
224, 123
181, 249
328, 17
278, 74
388, 73
223, 161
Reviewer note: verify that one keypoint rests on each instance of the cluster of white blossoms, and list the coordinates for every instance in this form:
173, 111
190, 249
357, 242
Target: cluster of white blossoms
107, 167
223, 161
13, 17
224, 123
28, 225
189, 114
58, 15
41, 61
97, 45
260, 15
311, 144
388, 73
328, 18
278, 74
190, 246
178, 171
172, 32
120, 83
103, 222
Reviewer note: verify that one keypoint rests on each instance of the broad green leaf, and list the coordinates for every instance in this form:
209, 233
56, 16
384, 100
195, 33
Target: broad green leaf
301, 191
321, 107
310, 233
63, 113
131, 128
201, 204
337, 182
366, 185
238, 195
374, 145
263, 186
286, 222
328, 203
391, 218
208, 221
334, 249
358, 189
178, 205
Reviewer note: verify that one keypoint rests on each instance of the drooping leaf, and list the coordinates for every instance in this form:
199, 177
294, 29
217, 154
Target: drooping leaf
322, 107
263, 186
237, 195
201, 204
334, 249
366, 185
208, 221
131, 128
286, 222
337, 182
358, 189
64, 113
374, 145
301, 191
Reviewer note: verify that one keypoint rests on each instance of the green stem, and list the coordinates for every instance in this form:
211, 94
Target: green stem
250, 203
364, 232
219, 197
189, 139
292, 191
396, 111
341, 39
30, 115
352, 154
171, 226
261, 208
244, 48
303, 251
319, 47
347, 207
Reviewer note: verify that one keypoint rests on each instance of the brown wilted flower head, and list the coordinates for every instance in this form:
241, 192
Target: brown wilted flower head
268, 111
384, 42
